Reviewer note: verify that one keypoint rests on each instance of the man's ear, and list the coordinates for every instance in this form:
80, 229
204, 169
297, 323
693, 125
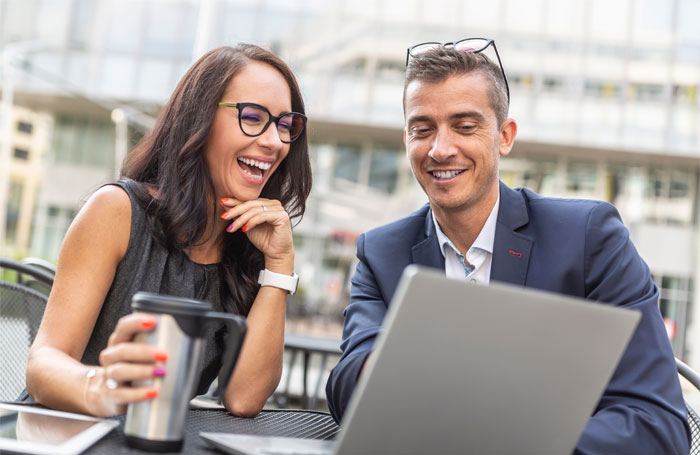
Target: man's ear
508, 131
404, 136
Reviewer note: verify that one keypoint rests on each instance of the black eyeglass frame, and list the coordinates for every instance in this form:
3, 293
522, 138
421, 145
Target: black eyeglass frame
454, 44
271, 119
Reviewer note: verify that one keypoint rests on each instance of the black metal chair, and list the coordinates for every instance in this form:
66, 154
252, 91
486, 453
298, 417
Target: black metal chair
306, 345
41, 264
33, 273
693, 418
23, 295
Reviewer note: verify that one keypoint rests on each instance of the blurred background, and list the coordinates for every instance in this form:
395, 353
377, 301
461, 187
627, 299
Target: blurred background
606, 94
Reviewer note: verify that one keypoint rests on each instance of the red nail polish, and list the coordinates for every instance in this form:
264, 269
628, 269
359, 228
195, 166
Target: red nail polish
160, 357
148, 324
151, 393
245, 228
224, 200
223, 215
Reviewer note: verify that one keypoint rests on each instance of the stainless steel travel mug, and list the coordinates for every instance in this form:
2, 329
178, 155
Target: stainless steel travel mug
159, 424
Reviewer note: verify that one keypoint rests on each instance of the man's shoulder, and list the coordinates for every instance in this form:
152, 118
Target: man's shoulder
539, 205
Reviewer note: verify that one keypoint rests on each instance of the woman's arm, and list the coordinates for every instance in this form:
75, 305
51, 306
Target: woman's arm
259, 366
93, 247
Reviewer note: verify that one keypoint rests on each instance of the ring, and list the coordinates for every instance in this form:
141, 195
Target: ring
264, 208
111, 384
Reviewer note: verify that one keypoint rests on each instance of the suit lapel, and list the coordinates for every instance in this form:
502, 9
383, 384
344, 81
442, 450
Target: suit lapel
511, 250
427, 252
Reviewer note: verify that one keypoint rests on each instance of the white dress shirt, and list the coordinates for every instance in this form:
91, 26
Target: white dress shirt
478, 256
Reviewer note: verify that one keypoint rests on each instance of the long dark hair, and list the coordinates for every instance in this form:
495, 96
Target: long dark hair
170, 160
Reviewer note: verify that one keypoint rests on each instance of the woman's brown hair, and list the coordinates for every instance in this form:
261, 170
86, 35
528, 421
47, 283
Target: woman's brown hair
170, 160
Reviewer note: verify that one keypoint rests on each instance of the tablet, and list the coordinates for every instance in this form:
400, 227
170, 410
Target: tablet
39, 431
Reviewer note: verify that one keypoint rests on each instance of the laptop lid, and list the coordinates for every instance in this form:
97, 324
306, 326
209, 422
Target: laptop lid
461, 367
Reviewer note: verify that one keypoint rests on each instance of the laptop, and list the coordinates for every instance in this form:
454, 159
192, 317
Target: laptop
468, 368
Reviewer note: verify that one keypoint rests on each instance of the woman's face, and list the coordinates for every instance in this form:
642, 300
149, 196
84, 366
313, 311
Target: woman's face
240, 165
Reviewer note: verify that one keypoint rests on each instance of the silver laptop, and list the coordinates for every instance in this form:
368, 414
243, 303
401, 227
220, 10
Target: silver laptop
467, 368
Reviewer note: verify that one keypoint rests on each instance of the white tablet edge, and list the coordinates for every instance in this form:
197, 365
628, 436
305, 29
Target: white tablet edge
74, 445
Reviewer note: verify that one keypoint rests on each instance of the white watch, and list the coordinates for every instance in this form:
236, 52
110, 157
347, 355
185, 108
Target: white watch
279, 280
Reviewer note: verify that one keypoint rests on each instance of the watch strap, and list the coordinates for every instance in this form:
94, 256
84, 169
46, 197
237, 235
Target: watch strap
279, 280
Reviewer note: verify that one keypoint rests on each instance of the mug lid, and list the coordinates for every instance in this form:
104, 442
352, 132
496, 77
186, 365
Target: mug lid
159, 303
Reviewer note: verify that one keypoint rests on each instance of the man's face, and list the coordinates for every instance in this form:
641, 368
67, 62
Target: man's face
453, 141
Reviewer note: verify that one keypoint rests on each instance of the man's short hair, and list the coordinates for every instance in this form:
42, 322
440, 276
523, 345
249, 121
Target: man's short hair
437, 64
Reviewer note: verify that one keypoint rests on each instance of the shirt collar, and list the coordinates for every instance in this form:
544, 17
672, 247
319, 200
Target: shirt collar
484, 240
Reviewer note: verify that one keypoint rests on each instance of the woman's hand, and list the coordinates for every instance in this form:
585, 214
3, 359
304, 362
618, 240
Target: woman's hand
268, 228
108, 389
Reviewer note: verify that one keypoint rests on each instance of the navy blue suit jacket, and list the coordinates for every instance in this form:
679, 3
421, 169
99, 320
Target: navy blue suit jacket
574, 247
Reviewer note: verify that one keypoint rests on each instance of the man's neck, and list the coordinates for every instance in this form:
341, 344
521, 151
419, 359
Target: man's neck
463, 225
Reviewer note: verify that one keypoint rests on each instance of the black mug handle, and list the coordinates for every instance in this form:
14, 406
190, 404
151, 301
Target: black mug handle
234, 341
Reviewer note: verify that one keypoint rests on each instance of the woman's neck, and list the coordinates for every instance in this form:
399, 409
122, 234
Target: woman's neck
207, 252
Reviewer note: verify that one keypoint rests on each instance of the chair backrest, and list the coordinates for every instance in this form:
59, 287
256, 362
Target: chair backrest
35, 274
39, 263
693, 418
694, 422
21, 310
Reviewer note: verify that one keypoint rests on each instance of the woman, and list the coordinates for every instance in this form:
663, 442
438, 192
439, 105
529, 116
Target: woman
204, 204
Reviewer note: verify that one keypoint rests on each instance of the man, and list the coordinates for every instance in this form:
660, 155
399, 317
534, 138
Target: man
477, 229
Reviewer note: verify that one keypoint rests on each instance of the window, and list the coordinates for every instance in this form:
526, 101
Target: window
602, 88
680, 184
49, 235
685, 93
646, 92
676, 295
540, 175
81, 140
125, 26
655, 183
21, 154
391, 69
670, 195
81, 22
14, 201
375, 166
117, 75
552, 83
347, 162
581, 177
155, 79
24, 127
161, 37
383, 169
52, 21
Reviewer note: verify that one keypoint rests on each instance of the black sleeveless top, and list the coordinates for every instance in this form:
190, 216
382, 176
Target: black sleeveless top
151, 267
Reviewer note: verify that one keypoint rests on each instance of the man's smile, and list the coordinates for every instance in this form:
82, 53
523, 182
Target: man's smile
445, 175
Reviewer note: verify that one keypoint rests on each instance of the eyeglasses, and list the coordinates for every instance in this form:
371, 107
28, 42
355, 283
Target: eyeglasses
254, 120
474, 45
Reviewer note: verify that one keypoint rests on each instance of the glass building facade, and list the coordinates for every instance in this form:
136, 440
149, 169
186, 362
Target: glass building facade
606, 94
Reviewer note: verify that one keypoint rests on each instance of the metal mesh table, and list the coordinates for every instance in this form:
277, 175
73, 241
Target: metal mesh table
288, 423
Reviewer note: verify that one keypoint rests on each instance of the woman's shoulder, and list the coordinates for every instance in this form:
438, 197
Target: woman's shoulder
108, 211
128, 197
112, 196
